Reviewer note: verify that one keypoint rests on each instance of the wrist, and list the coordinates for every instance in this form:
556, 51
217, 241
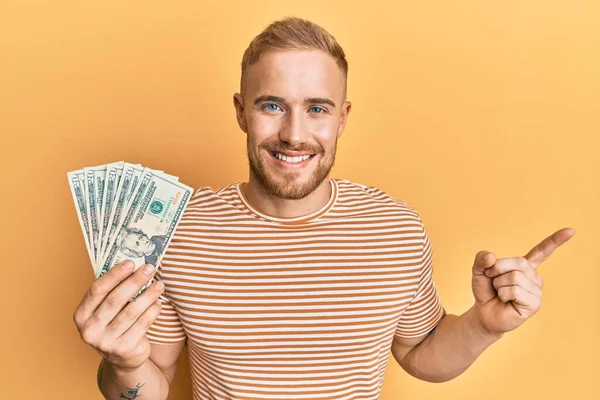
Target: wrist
122, 370
474, 324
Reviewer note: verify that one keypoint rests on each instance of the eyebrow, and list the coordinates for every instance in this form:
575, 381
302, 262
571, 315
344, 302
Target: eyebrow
312, 100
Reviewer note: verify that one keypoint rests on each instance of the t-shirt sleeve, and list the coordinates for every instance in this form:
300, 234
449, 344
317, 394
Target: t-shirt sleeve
167, 328
425, 309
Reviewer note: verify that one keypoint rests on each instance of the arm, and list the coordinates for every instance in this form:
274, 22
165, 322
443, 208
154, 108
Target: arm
445, 352
151, 379
117, 328
507, 291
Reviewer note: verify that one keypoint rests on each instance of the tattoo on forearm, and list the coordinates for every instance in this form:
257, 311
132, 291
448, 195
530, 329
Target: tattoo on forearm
132, 393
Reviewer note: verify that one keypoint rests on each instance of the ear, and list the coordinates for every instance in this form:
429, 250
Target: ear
344, 117
238, 103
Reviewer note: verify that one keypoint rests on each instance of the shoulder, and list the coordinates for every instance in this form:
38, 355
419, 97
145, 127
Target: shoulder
353, 195
360, 191
369, 203
206, 209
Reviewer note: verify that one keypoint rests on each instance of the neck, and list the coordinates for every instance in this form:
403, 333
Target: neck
284, 208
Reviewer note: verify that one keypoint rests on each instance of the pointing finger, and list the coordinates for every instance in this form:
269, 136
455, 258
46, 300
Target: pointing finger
543, 250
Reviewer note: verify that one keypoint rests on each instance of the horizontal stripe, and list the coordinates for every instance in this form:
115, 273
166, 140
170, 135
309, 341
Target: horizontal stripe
303, 308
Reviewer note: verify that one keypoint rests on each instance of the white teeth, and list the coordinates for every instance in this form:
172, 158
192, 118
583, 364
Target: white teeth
296, 159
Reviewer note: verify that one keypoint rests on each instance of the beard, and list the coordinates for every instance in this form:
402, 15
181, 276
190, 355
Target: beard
288, 186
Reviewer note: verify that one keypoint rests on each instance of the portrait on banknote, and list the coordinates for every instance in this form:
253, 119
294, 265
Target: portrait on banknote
134, 242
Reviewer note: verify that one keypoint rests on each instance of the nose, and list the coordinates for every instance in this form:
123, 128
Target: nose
294, 129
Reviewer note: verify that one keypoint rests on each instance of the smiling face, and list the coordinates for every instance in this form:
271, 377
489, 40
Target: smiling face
293, 111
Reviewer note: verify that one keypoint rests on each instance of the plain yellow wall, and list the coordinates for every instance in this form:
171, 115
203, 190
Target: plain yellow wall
484, 116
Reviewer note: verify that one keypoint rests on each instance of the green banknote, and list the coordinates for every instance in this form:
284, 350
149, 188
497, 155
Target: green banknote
77, 185
127, 212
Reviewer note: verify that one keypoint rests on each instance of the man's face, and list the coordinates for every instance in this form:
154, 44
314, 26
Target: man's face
138, 243
293, 111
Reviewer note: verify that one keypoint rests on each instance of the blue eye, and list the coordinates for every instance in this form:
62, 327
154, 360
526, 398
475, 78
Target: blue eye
320, 112
267, 106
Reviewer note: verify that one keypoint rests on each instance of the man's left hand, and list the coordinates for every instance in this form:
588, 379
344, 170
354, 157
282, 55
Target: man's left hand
508, 291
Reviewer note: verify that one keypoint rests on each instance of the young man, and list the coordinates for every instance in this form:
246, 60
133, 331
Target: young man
296, 285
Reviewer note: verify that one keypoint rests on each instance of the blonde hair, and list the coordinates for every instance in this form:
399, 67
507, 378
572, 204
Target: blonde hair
293, 33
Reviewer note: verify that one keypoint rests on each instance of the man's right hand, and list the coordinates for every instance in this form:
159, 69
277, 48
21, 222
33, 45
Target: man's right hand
115, 328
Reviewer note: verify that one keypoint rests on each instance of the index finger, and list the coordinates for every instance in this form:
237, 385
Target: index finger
101, 287
543, 249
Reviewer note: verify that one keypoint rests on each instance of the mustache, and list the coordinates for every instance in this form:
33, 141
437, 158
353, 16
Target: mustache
281, 147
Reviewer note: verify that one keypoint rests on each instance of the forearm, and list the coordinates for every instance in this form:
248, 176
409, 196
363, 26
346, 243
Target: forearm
147, 381
450, 349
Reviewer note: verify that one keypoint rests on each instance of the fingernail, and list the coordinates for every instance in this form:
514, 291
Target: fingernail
160, 285
127, 265
487, 272
148, 269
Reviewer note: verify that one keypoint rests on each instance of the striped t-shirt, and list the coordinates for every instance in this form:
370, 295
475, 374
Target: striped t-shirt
295, 308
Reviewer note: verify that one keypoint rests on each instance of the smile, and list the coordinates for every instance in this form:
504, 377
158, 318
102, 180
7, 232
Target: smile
289, 161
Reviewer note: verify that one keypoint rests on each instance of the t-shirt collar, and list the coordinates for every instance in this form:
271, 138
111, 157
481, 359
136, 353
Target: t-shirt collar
295, 220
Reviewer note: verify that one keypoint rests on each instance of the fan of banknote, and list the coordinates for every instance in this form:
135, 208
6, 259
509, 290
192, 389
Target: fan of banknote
127, 211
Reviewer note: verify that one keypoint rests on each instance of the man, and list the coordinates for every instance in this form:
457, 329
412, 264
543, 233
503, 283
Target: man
295, 285
133, 242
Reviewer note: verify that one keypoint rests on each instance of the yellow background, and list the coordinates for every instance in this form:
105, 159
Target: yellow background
484, 116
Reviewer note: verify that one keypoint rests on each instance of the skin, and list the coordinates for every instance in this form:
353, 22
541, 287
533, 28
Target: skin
105, 319
507, 291
116, 328
288, 123
504, 298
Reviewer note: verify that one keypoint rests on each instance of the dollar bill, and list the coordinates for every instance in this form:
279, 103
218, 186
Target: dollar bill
172, 177
127, 185
77, 185
94, 178
111, 182
149, 222
126, 211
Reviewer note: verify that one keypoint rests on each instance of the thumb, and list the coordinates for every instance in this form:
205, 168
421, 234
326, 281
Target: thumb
483, 287
483, 260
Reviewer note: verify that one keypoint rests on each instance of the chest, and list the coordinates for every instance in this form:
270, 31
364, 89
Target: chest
290, 290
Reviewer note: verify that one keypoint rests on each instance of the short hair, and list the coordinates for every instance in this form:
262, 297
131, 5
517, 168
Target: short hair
292, 33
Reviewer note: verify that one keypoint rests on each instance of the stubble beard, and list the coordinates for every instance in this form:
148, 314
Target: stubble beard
289, 188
